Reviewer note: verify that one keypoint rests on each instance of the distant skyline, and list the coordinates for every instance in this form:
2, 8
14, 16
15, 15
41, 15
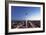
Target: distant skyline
25, 13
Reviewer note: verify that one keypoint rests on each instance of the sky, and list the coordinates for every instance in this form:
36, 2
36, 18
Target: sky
25, 13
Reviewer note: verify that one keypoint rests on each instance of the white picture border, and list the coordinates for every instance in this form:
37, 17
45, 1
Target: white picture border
26, 29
